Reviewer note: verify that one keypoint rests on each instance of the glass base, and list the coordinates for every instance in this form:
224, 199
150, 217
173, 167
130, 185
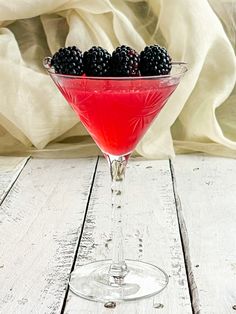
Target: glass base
92, 282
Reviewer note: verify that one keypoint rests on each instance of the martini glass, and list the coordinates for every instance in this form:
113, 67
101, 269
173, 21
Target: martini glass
117, 111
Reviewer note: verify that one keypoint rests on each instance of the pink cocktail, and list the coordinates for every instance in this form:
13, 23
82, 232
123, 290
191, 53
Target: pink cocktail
117, 111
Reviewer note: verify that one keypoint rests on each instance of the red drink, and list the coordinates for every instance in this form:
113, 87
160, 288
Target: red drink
116, 112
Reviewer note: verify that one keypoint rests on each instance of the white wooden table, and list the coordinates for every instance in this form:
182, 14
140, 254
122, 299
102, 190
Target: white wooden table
180, 215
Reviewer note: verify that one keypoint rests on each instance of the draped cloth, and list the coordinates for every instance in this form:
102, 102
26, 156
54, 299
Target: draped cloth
200, 115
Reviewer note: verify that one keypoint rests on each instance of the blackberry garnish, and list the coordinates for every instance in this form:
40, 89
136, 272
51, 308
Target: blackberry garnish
68, 61
125, 62
97, 62
154, 60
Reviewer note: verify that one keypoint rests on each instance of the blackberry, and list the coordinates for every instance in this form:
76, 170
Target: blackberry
154, 60
97, 62
125, 62
68, 61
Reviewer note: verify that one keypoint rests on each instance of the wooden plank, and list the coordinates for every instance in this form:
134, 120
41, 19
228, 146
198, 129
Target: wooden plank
41, 219
207, 189
10, 168
151, 235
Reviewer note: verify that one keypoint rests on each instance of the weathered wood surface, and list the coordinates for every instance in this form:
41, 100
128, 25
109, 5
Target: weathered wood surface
10, 168
207, 190
151, 235
40, 223
42, 214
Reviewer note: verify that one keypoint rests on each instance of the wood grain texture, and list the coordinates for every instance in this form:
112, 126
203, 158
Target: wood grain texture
207, 189
151, 235
40, 222
10, 168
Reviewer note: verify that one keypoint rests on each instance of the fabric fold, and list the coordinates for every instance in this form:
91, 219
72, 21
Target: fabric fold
200, 115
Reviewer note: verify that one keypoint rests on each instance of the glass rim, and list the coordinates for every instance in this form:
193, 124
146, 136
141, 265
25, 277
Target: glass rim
178, 64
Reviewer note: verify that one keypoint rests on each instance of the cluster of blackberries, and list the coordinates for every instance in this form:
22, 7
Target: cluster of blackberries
124, 61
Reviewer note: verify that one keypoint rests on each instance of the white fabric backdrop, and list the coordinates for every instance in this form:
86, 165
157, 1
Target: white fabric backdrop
200, 116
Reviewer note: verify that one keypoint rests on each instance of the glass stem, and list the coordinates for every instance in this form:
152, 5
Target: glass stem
118, 268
